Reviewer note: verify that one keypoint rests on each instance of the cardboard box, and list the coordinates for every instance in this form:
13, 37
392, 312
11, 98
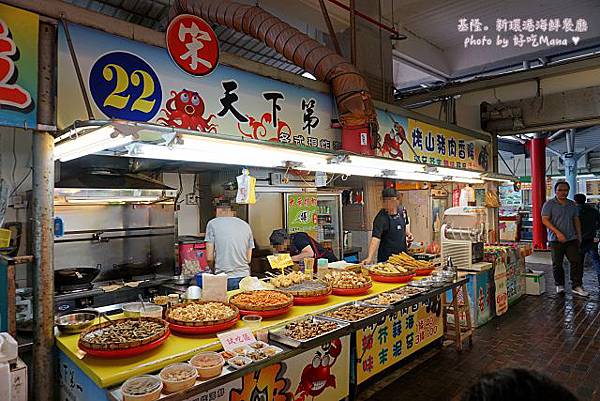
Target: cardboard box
535, 283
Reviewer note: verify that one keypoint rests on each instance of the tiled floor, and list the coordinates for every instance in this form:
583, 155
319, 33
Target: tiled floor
556, 335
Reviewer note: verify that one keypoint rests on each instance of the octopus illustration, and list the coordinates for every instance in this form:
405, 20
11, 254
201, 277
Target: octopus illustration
185, 109
260, 130
317, 376
393, 141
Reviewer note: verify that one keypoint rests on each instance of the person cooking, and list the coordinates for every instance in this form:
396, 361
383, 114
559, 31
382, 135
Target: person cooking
229, 244
390, 229
300, 245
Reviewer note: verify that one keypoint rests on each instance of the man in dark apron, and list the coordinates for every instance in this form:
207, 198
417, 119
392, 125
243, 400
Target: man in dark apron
390, 232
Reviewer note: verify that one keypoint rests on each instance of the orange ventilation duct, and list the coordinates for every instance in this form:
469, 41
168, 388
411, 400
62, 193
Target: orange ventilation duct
355, 106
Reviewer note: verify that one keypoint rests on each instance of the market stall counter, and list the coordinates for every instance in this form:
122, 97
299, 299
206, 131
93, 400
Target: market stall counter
361, 346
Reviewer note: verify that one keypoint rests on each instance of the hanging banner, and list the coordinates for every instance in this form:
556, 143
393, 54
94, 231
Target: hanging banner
129, 80
185, 87
412, 140
18, 67
397, 336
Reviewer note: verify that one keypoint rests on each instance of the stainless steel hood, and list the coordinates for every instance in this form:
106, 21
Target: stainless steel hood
107, 180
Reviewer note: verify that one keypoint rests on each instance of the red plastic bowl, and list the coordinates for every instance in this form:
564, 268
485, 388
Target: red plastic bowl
124, 353
352, 291
316, 300
211, 329
267, 313
392, 279
423, 272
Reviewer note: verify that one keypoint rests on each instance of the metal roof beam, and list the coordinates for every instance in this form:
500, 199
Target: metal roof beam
587, 63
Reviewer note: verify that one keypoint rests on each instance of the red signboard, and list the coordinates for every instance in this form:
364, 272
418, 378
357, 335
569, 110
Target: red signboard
193, 45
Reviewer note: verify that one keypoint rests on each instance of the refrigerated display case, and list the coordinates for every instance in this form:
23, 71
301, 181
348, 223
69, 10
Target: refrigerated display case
318, 214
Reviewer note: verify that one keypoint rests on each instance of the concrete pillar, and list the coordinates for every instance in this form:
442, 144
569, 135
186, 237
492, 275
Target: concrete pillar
43, 369
570, 160
538, 189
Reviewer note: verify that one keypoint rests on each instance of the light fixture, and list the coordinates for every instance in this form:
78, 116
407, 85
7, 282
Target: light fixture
578, 176
118, 199
386, 164
498, 177
456, 173
79, 145
464, 180
209, 148
206, 149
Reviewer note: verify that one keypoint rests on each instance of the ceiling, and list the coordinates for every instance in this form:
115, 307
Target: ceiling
153, 14
434, 50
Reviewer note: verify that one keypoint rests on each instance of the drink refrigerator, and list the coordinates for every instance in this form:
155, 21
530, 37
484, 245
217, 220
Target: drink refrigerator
319, 214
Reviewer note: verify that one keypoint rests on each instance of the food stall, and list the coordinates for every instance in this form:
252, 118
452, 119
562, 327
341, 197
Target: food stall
135, 105
323, 351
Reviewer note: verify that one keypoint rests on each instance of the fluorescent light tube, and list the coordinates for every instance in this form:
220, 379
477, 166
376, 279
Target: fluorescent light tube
456, 173
90, 143
119, 199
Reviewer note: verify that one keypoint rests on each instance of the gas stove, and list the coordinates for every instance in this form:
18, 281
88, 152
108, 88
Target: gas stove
69, 299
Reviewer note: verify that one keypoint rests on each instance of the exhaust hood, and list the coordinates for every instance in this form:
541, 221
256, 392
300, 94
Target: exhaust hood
105, 186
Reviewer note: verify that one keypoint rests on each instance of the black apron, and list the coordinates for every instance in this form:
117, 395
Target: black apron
393, 239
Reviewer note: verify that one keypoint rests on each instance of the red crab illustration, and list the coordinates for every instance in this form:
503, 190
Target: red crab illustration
185, 109
392, 142
317, 376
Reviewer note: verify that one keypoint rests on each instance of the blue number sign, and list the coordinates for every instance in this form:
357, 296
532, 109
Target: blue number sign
125, 86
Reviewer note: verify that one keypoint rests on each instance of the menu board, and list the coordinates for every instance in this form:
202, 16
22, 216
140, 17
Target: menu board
302, 213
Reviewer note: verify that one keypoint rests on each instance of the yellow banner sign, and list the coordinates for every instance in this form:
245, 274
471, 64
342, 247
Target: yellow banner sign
446, 148
280, 261
385, 343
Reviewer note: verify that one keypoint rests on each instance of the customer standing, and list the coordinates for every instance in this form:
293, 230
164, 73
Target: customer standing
229, 244
590, 223
560, 216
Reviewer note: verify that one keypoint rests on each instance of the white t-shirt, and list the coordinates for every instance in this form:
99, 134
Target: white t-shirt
231, 237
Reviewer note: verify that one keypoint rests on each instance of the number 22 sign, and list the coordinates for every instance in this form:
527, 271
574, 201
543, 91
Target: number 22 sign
125, 86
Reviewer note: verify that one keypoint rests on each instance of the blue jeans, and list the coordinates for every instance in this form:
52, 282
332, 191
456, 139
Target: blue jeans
591, 248
233, 283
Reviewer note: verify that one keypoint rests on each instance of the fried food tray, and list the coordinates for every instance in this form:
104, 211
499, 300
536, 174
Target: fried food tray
279, 333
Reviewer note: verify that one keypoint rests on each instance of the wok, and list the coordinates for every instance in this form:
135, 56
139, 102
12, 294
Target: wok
76, 275
136, 269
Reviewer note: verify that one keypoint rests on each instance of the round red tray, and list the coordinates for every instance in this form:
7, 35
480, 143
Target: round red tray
267, 313
316, 300
352, 291
124, 353
424, 272
211, 329
392, 279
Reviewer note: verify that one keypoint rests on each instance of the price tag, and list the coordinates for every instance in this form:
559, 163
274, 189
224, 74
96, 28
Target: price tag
234, 338
280, 261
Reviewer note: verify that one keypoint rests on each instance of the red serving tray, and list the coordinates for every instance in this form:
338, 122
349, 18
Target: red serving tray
392, 279
211, 329
267, 313
124, 353
424, 272
311, 300
352, 291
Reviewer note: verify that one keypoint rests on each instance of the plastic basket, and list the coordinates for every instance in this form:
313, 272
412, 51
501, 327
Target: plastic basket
5, 237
